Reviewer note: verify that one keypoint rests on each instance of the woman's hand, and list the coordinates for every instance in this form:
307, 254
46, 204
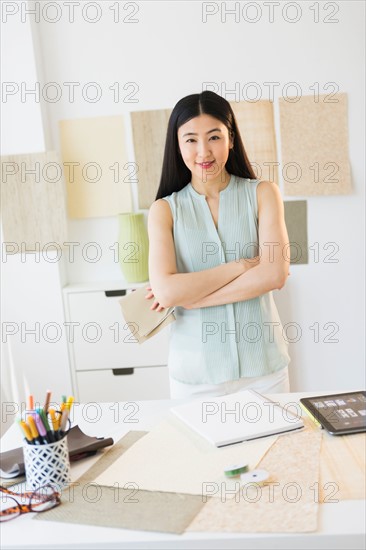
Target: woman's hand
155, 306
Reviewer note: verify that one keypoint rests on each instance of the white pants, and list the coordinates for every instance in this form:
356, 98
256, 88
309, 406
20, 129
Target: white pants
278, 382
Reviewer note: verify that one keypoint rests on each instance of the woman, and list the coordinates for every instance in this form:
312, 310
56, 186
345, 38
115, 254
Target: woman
217, 249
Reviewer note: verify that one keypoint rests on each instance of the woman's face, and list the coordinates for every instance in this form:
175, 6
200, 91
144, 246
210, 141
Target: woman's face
204, 144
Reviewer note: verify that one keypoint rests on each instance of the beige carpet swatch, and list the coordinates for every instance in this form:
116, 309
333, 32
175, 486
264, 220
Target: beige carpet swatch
123, 506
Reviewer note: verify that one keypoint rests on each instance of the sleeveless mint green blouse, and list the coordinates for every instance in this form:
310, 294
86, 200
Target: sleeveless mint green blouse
216, 344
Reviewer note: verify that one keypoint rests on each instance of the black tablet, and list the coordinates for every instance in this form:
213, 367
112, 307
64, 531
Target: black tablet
340, 413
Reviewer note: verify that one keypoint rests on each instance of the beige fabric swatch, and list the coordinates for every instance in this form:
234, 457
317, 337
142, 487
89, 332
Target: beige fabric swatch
338, 482
297, 228
137, 314
125, 507
12, 482
289, 507
149, 130
343, 467
99, 185
256, 125
314, 136
33, 205
172, 457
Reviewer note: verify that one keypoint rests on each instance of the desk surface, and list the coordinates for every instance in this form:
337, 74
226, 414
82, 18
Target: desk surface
341, 524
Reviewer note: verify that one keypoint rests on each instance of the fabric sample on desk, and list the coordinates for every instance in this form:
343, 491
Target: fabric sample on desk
172, 457
11, 482
123, 506
288, 507
342, 468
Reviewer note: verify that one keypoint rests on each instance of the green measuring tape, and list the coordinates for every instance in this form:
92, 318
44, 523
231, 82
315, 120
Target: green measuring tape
236, 470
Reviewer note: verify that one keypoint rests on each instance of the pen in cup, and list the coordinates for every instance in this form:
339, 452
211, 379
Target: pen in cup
55, 422
69, 402
40, 427
30, 402
26, 431
47, 401
49, 434
33, 428
64, 419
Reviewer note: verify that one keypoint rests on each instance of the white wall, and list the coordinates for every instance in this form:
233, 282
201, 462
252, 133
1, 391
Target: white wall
170, 53
21, 125
21, 131
30, 289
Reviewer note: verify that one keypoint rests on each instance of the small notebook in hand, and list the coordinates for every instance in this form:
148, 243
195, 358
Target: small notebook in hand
79, 444
142, 321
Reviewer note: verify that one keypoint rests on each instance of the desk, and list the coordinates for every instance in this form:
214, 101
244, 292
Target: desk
341, 524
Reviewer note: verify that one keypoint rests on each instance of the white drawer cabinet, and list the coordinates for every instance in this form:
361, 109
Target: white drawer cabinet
106, 362
133, 384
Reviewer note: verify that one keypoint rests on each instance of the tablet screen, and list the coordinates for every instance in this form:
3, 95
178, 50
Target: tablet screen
340, 412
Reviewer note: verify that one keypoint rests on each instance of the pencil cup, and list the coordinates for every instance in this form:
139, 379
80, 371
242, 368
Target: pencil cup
47, 463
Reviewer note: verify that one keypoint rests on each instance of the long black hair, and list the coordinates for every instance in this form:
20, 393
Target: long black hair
175, 174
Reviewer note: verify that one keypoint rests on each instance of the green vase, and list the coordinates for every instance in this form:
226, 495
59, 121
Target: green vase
133, 247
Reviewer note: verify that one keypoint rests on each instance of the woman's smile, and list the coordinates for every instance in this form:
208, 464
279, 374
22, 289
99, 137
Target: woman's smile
205, 164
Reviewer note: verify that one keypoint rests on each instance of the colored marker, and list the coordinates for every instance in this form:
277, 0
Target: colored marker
52, 413
50, 437
69, 402
55, 422
47, 401
26, 431
31, 402
33, 429
64, 418
41, 428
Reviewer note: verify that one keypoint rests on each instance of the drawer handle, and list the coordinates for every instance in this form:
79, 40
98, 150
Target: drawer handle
122, 372
111, 293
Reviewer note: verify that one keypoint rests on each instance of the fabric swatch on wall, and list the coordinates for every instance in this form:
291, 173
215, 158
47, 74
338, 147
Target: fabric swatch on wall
98, 180
296, 223
256, 125
149, 134
33, 202
314, 143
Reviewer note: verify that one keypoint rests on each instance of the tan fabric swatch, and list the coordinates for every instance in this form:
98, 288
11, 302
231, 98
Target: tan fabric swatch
293, 463
12, 482
297, 228
125, 507
256, 125
149, 134
337, 482
137, 314
314, 143
99, 185
172, 457
343, 466
33, 205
